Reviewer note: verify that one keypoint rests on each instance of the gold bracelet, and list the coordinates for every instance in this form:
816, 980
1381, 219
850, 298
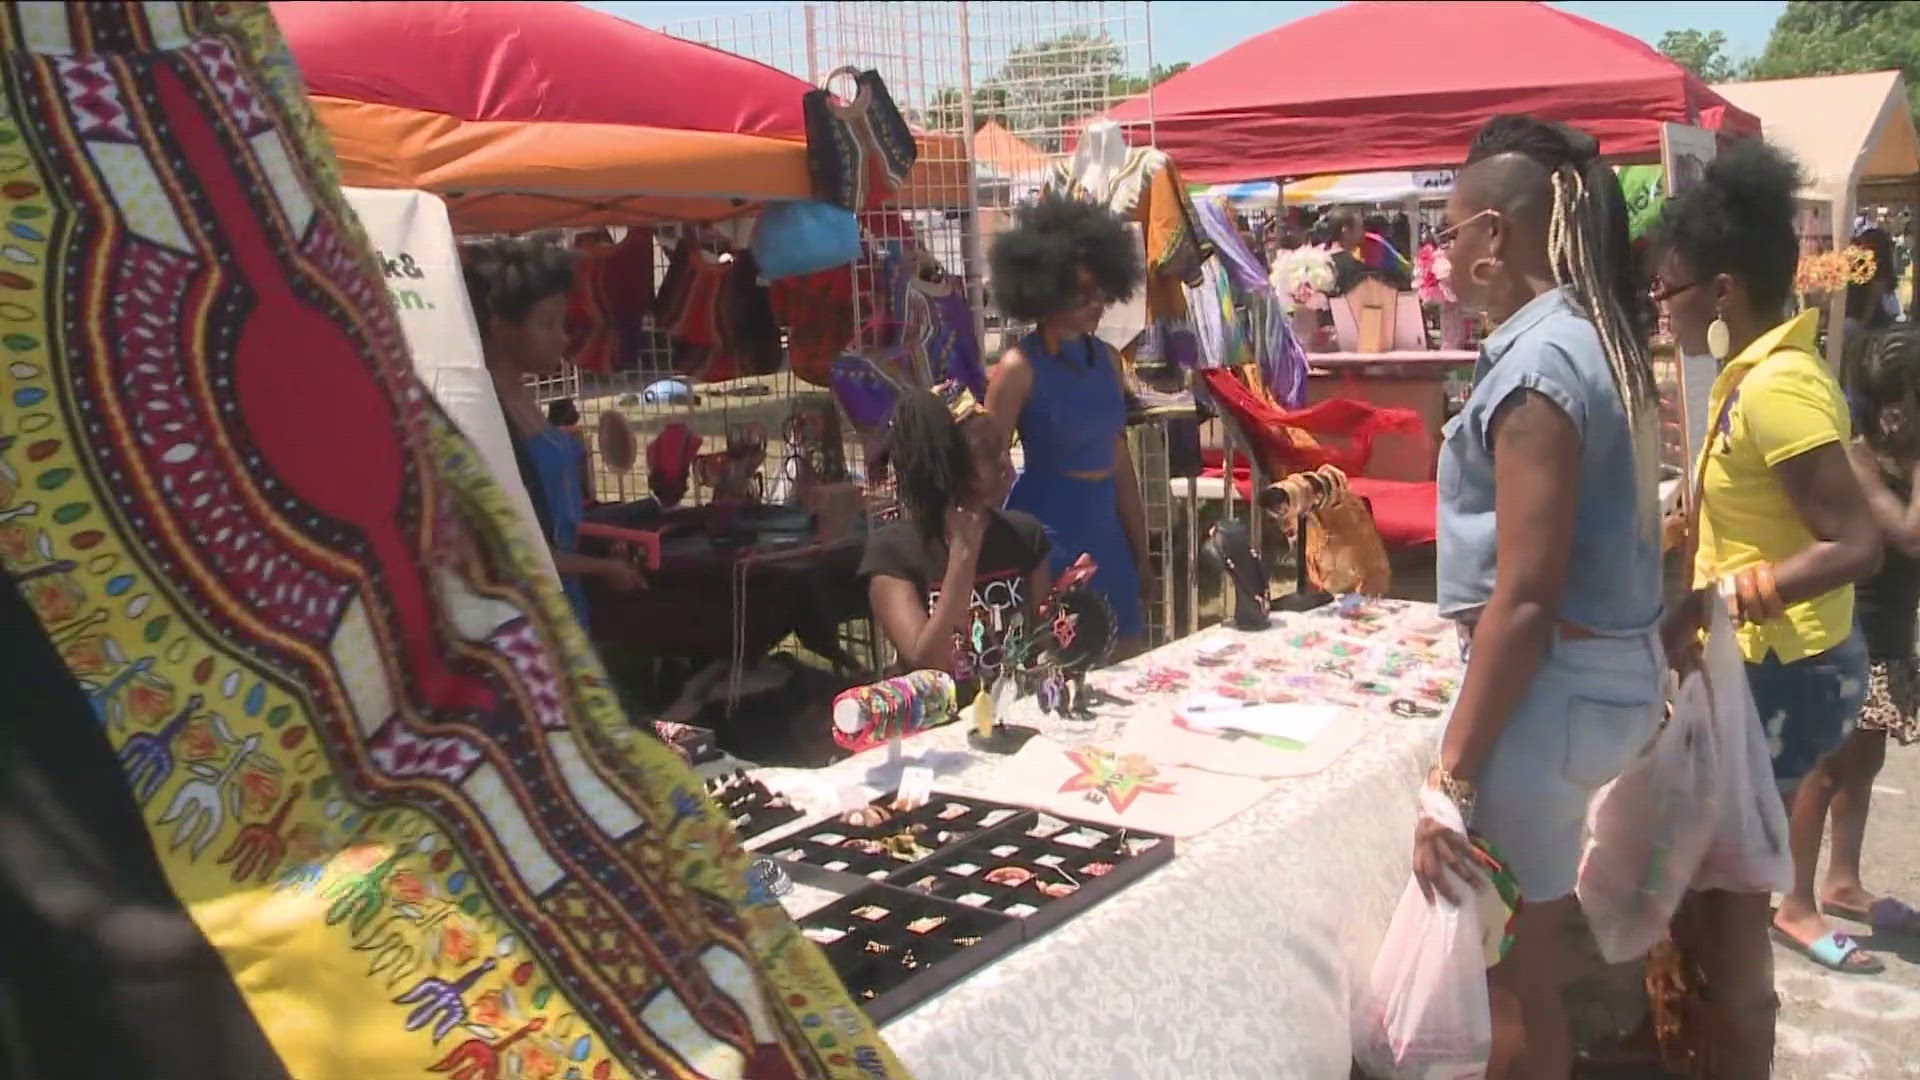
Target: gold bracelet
1460, 793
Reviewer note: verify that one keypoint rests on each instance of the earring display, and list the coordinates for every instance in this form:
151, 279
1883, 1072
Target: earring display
876, 841
1044, 870
894, 948
928, 924
695, 745
752, 807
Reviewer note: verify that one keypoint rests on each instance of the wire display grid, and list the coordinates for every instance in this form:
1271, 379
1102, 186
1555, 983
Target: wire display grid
996, 93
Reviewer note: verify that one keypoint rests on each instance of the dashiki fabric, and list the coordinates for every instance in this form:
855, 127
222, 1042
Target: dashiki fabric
379, 763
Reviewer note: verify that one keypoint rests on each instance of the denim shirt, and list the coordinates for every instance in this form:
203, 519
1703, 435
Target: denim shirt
1613, 576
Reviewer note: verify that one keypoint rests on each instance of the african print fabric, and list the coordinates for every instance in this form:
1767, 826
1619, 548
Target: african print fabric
377, 759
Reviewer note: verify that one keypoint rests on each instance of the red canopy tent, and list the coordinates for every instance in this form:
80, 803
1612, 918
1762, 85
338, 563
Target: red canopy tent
527, 114
1380, 85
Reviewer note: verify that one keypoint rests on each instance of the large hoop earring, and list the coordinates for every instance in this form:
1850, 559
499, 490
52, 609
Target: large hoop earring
1719, 339
1473, 270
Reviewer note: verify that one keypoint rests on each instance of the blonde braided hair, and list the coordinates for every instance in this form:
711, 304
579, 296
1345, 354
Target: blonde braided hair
1574, 251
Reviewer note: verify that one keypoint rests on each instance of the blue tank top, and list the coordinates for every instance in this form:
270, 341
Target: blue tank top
556, 461
1076, 408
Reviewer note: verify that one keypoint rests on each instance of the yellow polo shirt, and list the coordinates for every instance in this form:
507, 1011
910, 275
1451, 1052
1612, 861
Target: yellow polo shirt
1785, 404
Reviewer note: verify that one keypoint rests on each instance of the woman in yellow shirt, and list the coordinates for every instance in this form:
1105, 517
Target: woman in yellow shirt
1783, 525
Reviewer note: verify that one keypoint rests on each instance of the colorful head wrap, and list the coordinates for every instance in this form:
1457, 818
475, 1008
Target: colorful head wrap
959, 400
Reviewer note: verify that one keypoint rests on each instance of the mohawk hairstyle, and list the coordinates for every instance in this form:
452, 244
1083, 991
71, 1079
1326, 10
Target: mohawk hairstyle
1593, 262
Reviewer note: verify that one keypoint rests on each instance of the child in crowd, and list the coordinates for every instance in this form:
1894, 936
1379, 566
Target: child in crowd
1882, 377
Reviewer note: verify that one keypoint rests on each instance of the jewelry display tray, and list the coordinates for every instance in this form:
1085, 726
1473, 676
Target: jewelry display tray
809, 859
945, 963
909, 883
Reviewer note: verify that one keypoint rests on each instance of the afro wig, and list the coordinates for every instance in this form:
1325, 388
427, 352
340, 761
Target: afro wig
1035, 263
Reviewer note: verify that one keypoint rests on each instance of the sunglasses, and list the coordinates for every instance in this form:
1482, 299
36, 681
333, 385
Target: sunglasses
1660, 291
1452, 232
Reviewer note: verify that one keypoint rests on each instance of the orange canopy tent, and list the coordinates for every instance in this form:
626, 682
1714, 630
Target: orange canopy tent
528, 115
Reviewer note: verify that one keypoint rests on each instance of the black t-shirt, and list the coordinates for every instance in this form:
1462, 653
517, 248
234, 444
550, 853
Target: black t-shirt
1886, 603
1013, 546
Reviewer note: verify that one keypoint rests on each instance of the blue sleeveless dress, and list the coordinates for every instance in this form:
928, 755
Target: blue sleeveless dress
1075, 412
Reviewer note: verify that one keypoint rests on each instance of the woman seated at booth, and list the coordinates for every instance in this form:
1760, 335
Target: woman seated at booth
519, 288
953, 573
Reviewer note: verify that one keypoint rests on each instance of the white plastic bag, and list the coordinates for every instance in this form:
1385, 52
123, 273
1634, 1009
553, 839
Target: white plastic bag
1748, 852
1649, 828
1424, 1013
1698, 809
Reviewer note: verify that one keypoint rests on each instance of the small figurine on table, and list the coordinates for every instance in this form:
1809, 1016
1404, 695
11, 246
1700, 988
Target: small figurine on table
1074, 634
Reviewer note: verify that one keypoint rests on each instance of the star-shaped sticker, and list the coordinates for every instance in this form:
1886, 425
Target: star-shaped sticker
1118, 778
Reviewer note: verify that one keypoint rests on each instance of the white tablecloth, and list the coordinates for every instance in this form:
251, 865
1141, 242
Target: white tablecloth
1236, 960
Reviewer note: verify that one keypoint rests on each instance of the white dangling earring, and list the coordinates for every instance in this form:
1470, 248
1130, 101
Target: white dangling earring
1719, 339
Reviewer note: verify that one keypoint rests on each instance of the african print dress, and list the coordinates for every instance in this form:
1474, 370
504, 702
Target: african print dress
378, 762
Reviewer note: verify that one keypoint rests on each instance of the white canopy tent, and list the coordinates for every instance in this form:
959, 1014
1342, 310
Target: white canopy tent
1352, 189
1848, 132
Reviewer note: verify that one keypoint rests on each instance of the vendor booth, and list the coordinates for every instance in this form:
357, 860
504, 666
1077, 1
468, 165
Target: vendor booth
1071, 888
504, 111
1366, 87
1854, 137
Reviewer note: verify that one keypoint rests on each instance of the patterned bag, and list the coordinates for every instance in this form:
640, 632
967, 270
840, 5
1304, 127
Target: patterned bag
375, 755
859, 152
1344, 552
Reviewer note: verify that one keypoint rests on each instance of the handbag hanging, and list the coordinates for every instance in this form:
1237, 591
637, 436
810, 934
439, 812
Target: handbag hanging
1343, 549
796, 238
858, 153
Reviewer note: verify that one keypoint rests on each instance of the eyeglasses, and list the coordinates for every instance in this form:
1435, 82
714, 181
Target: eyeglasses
1660, 292
1452, 232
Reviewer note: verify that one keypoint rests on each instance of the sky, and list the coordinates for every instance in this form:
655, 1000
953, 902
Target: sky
1193, 30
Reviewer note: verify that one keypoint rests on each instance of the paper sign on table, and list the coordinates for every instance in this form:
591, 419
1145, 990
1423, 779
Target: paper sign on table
1118, 785
1296, 722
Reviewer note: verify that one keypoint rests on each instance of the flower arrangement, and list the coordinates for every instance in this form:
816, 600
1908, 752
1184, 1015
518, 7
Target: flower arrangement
1825, 272
1300, 274
1433, 277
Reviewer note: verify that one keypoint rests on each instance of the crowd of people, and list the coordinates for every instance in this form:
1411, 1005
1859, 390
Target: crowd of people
1550, 560
1806, 531
1808, 524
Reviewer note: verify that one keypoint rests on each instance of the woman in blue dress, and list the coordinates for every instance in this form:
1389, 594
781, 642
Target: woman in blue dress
519, 292
1060, 267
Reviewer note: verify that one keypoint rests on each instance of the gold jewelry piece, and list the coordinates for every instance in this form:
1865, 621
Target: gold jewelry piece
1460, 793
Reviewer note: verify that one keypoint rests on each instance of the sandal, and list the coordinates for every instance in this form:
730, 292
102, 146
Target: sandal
1885, 915
1835, 952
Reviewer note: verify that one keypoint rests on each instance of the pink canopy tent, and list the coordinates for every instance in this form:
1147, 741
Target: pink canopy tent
1378, 85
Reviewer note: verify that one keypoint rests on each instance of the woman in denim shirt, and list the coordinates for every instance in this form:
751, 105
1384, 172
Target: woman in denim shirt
1549, 547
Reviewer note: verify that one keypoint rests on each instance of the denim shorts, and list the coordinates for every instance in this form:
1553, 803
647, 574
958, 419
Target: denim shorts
1592, 705
1809, 706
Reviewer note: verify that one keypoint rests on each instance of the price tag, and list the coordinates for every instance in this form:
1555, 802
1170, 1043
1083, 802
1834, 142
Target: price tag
916, 787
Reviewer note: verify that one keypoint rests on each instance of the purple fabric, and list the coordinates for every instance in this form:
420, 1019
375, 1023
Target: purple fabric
1283, 363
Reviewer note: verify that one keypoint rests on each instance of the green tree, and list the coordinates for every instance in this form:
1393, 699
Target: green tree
1704, 54
1835, 37
1043, 89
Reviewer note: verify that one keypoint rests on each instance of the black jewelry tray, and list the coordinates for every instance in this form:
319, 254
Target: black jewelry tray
808, 855
749, 805
1039, 850
871, 956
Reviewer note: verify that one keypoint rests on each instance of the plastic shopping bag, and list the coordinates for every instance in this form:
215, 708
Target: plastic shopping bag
1649, 829
1748, 852
1424, 1013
